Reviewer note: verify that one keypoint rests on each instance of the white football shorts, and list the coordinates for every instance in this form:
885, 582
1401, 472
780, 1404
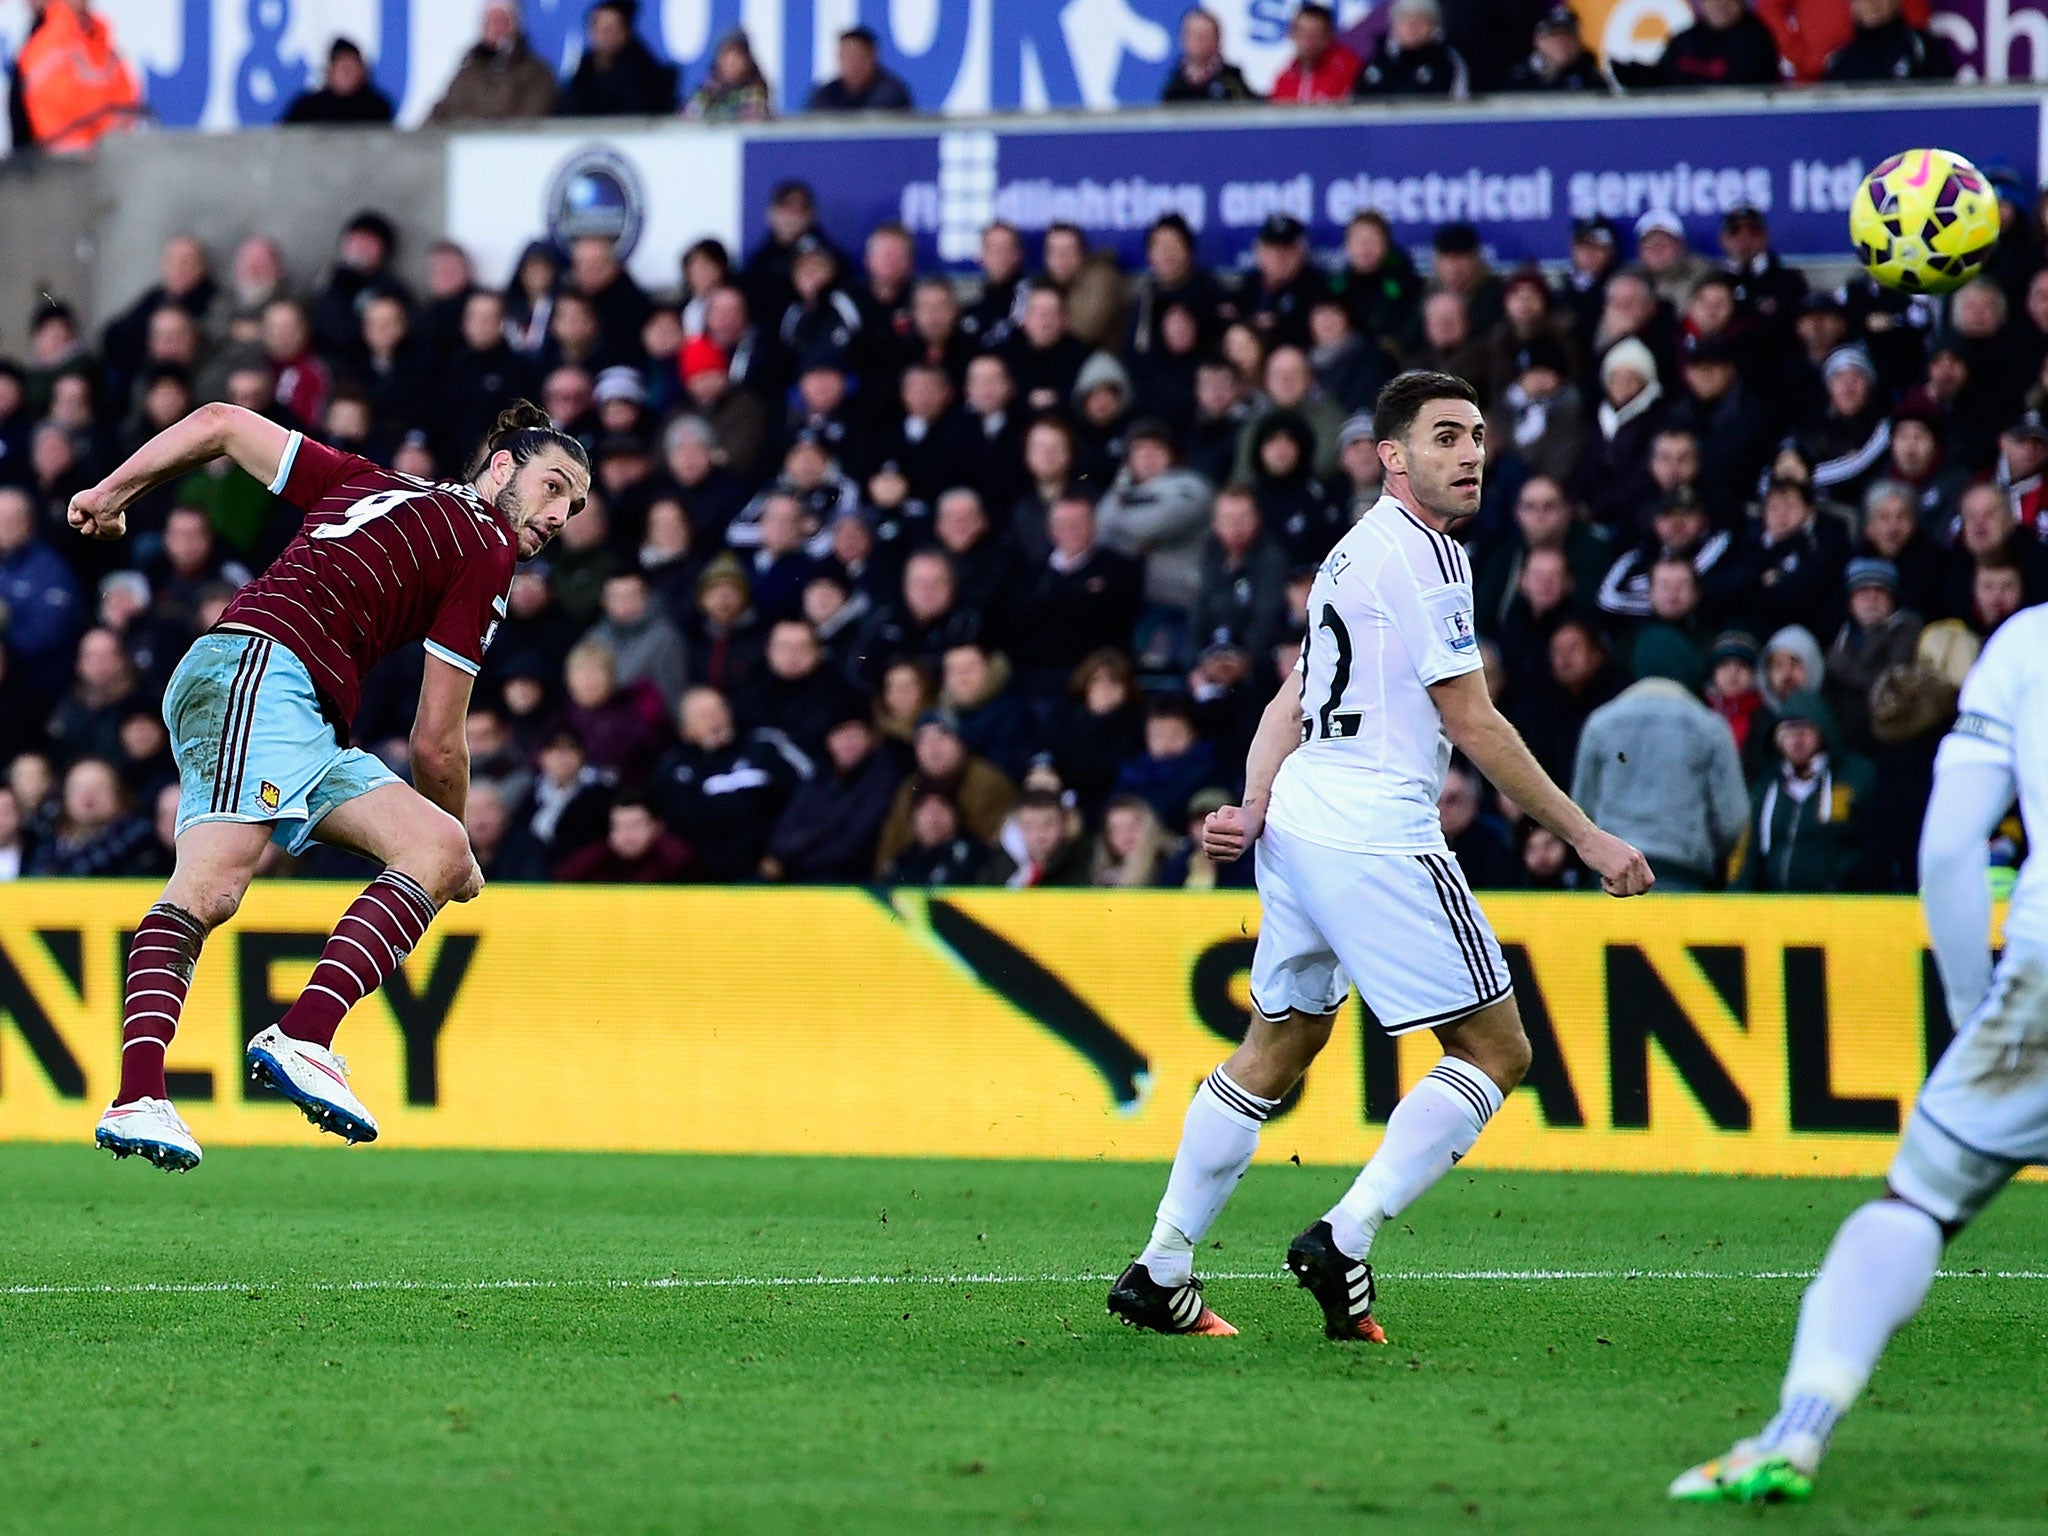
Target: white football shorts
1403, 926
1983, 1113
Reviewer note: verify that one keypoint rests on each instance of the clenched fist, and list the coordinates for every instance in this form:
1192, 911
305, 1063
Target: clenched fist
1228, 832
94, 514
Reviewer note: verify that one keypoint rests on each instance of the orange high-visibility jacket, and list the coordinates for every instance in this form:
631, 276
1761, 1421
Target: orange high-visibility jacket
73, 84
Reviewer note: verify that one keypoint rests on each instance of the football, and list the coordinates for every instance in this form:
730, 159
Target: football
1924, 221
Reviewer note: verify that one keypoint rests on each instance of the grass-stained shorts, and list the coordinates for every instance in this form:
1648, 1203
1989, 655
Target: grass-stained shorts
251, 744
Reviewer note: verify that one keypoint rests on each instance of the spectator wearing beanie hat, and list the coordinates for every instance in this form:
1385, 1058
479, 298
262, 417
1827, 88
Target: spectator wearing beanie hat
737, 417
1806, 826
1877, 635
1613, 479
1731, 690
1847, 442
1548, 414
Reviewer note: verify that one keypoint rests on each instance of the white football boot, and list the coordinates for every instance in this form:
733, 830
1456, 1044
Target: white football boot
315, 1079
151, 1130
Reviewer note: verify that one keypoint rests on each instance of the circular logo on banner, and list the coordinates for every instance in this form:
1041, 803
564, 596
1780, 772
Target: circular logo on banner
597, 192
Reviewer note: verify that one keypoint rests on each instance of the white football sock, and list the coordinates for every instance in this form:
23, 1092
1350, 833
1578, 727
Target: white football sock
1874, 1279
1432, 1127
1217, 1141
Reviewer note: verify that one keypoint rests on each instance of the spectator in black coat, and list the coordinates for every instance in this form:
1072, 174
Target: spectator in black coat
935, 445
862, 85
1559, 60
1244, 578
349, 96
1103, 727
1884, 49
363, 266
995, 720
1728, 45
828, 831
618, 75
477, 378
1201, 73
1043, 353
1552, 713
1614, 479
1732, 429
567, 809
722, 792
1081, 599
797, 694
940, 852
1411, 59
1283, 287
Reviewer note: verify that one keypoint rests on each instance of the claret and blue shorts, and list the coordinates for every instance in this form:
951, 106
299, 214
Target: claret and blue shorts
251, 743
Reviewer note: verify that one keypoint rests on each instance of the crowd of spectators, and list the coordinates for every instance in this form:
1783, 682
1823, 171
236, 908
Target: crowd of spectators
73, 86
892, 575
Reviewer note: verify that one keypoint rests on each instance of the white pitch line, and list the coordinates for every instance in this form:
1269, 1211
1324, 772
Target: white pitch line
760, 1282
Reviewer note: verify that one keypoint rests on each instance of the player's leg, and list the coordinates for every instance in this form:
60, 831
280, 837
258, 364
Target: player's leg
215, 862
213, 709
1982, 1116
1424, 957
1296, 988
1436, 1122
426, 859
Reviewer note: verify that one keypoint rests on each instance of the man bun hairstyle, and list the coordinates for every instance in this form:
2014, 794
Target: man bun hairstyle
1407, 393
523, 429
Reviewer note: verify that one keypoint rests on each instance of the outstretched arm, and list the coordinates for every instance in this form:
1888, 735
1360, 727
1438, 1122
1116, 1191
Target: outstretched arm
1228, 832
1483, 734
255, 444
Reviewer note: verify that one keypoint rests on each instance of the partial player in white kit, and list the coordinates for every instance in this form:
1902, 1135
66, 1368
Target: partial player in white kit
1983, 1114
1356, 882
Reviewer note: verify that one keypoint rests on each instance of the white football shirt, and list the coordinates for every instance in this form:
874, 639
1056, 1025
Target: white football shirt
2003, 720
1389, 614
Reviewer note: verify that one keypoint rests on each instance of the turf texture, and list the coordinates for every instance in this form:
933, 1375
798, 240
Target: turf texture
376, 1340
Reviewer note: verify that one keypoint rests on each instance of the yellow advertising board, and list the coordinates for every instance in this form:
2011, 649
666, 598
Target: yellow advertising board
1718, 1033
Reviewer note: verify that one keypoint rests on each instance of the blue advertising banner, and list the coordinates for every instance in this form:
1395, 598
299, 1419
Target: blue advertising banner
238, 63
1521, 180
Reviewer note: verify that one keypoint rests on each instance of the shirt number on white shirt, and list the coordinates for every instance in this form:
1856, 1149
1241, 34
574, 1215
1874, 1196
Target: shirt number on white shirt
1329, 722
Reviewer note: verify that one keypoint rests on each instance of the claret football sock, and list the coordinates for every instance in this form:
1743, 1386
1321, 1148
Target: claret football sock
1874, 1279
160, 963
1429, 1132
1217, 1141
381, 927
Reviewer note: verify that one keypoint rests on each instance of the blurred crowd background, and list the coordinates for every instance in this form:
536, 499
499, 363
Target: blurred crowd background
894, 575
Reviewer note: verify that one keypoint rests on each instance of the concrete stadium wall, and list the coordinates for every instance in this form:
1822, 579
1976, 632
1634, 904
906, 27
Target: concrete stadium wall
46, 240
298, 185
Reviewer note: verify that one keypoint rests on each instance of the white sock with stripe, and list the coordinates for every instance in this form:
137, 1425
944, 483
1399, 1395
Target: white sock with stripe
1430, 1130
1875, 1277
1217, 1140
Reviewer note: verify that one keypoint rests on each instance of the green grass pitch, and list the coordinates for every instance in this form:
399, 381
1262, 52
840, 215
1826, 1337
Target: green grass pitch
362, 1342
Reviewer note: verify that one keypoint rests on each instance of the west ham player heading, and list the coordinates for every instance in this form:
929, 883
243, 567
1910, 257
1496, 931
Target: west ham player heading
1356, 882
259, 711
1983, 1114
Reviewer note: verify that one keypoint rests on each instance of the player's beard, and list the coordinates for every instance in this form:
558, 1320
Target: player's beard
1445, 500
512, 507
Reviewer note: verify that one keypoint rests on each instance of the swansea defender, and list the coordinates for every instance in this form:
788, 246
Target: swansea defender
1356, 883
1983, 1114
259, 711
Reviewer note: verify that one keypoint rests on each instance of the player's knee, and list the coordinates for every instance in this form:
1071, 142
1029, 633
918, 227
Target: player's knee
441, 860
1507, 1059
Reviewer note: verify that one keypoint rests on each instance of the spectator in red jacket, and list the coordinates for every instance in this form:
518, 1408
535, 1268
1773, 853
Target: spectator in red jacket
1809, 30
1323, 69
637, 850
